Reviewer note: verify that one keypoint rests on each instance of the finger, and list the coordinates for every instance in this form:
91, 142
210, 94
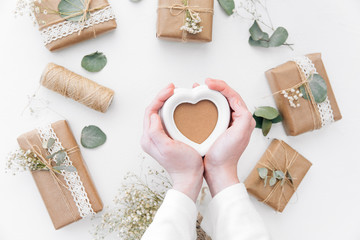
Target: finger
156, 132
157, 103
195, 85
159, 100
233, 97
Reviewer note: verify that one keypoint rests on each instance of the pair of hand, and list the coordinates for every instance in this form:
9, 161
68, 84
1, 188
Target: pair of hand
183, 163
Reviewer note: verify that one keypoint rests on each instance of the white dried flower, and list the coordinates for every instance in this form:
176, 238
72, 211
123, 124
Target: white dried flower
27, 7
135, 206
192, 24
293, 96
20, 160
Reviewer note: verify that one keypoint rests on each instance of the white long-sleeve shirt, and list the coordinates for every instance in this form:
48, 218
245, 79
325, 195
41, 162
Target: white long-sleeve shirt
230, 216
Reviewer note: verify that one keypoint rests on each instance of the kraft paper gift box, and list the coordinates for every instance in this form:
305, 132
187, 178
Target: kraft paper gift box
278, 156
307, 117
172, 16
68, 198
58, 32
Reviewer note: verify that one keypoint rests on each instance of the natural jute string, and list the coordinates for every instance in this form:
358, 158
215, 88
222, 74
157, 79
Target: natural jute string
274, 166
79, 88
59, 184
182, 8
313, 106
83, 14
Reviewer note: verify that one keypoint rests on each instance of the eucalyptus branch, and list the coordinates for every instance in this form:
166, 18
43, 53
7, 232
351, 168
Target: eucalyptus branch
254, 8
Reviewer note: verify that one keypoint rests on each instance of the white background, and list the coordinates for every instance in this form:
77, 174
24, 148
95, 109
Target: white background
139, 65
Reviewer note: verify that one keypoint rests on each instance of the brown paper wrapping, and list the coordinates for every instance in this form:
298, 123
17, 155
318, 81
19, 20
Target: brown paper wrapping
298, 120
168, 25
87, 33
58, 200
279, 198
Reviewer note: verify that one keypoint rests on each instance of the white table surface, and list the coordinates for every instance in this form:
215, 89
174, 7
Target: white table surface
139, 65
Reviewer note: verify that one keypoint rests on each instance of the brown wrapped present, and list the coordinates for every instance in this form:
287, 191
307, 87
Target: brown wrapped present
278, 156
59, 31
306, 115
173, 15
69, 196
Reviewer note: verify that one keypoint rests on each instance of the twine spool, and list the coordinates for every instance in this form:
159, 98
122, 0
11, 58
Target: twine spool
79, 88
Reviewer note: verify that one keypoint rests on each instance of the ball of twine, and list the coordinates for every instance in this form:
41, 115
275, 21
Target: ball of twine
79, 88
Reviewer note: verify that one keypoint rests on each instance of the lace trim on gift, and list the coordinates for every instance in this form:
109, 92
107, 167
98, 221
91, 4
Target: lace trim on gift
66, 28
72, 179
324, 108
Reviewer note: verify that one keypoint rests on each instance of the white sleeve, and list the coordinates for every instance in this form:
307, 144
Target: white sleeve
232, 216
175, 219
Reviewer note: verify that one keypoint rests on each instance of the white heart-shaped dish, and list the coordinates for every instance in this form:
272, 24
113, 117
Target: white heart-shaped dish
193, 96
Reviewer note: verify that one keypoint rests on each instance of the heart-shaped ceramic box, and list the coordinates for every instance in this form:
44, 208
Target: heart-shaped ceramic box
194, 96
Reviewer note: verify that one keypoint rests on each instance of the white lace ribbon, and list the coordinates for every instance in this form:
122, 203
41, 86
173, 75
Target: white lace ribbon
72, 179
66, 28
324, 108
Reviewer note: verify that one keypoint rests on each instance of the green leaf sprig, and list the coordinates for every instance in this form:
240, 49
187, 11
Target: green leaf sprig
265, 116
94, 62
68, 8
318, 88
258, 38
228, 6
277, 175
92, 137
58, 157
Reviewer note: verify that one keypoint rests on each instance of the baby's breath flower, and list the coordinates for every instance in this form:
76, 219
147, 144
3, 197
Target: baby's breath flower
20, 160
192, 24
135, 206
27, 7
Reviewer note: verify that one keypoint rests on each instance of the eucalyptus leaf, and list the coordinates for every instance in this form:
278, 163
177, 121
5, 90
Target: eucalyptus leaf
94, 62
269, 113
266, 126
92, 137
282, 182
50, 142
256, 33
228, 6
265, 181
304, 92
288, 176
277, 119
53, 155
279, 174
60, 157
65, 168
68, 8
260, 43
279, 37
272, 181
258, 121
262, 172
318, 88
